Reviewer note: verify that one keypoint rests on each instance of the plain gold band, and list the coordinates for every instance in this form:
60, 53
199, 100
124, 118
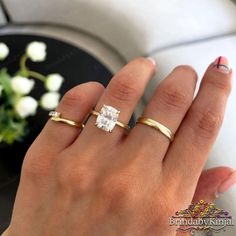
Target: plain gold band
122, 125
57, 117
158, 126
68, 122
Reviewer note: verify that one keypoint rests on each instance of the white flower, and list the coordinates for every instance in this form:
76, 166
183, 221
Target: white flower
22, 85
4, 51
53, 82
36, 51
50, 100
26, 106
1, 88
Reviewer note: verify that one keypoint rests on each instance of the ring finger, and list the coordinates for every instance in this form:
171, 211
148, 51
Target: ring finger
168, 106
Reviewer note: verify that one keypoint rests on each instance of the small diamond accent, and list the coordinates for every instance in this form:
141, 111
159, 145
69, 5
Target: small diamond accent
54, 114
107, 118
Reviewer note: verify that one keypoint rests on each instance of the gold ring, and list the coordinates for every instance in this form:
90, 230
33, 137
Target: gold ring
107, 119
158, 126
57, 117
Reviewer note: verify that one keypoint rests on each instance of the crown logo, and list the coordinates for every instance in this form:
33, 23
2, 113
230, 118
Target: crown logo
201, 216
203, 209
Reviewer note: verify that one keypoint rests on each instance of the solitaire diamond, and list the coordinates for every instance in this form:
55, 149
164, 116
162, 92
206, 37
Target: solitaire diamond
54, 114
107, 118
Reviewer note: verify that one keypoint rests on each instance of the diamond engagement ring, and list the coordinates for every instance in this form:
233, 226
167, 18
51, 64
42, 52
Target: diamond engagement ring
57, 117
107, 119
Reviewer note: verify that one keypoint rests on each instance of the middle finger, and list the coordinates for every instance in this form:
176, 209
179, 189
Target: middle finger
122, 93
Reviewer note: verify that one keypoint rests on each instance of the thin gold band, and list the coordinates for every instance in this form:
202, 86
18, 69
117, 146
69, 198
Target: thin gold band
56, 116
158, 126
122, 125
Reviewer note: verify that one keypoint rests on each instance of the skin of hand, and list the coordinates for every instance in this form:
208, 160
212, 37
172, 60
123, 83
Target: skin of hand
94, 183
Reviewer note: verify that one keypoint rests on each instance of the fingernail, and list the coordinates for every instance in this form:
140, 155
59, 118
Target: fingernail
226, 184
222, 65
152, 60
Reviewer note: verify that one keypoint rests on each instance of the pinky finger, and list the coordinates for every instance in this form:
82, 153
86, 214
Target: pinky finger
198, 131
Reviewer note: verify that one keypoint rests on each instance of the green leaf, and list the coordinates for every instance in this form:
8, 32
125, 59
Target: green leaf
5, 81
12, 128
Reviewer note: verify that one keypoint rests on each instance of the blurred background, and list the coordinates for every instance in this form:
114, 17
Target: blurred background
113, 32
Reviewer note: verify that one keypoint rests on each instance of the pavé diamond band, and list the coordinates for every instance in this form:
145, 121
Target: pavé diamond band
56, 116
156, 125
107, 118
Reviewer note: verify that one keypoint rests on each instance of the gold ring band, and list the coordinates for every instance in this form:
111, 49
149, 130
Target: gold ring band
57, 117
158, 126
122, 125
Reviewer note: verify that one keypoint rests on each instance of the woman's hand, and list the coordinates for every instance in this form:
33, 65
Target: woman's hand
99, 183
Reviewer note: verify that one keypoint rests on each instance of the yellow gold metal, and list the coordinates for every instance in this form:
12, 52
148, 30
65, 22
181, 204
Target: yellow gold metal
57, 118
158, 126
122, 125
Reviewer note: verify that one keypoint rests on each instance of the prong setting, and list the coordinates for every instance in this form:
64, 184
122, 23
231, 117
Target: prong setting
107, 118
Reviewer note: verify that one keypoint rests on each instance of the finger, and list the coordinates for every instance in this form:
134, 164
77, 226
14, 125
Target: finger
5, 233
75, 105
200, 127
168, 106
123, 93
214, 182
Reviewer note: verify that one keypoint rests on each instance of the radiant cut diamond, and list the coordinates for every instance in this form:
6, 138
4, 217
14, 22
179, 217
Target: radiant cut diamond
107, 118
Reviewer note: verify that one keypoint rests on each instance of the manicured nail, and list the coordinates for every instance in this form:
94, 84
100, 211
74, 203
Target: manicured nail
226, 184
152, 60
222, 64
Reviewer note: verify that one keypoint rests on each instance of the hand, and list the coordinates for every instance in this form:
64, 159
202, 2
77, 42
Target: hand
98, 183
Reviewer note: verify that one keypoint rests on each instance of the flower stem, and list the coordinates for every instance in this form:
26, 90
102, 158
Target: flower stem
27, 72
23, 63
36, 75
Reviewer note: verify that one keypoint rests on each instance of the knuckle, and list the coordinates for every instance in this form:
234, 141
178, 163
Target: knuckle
186, 69
119, 192
76, 179
35, 170
208, 123
123, 89
173, 97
